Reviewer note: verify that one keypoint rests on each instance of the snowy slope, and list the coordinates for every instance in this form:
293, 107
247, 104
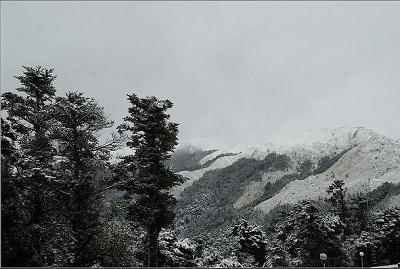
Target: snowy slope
369, 156
309, 143
373, 160
192, 176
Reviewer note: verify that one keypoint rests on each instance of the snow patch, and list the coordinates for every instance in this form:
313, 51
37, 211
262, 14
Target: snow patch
255, 189
192, 176
122, 152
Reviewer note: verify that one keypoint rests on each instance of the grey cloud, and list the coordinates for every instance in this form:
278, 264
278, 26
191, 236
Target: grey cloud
247, 72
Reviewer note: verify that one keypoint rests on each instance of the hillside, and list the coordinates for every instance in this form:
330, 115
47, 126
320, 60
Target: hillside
285, 172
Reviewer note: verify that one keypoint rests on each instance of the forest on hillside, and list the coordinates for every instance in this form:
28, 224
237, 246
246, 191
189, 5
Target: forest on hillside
64, 203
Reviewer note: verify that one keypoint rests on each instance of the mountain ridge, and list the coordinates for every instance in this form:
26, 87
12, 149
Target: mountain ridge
370, 159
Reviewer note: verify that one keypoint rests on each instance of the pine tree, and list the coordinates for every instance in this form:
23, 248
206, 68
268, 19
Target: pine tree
251, 240
148, 181
277, 255
337, 199
12, 251
386, 235
380, 244
29, 116
304, 233
79, 120
358, 213
174, 252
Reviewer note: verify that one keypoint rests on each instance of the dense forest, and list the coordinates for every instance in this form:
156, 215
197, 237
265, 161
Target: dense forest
64, 203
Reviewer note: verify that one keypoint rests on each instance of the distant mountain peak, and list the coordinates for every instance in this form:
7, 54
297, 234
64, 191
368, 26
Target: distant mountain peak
314, 136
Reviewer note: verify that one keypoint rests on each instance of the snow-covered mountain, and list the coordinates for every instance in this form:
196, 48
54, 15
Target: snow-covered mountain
364, 160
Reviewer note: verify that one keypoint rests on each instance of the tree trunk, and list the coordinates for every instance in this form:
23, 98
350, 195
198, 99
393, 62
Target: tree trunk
152, 257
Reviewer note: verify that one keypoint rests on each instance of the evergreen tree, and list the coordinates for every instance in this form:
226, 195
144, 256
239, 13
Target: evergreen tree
380, 244
304, 233
358, 213
12, 251
387, 235
277, 256
305, 169
174, 252
79, 120
29, 116
251, 240
147, 180
337, 199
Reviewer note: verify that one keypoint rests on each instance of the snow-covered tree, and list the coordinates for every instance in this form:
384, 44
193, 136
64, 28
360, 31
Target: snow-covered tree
12, 251
361, 242
304, 233
358, 213
251, 240
387, 232
29, 116
116, 245
174, 252
277, 255
78, 122
221, 251
380, 242
228, 262
338, 199
50, 158
146, 178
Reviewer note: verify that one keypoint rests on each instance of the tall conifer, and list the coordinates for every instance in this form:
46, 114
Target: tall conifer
29, 116
148, 181
79, 120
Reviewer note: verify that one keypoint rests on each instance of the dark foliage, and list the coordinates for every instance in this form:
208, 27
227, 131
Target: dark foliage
79, 120
251, 240
358, 210
50, 159
304, 233
174, 252
383, 192
338, 199
387, 236
305, 169
146, 179
32, 184
219, 190
326, 162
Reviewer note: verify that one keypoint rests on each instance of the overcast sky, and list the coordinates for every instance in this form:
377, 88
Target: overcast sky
246, 72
